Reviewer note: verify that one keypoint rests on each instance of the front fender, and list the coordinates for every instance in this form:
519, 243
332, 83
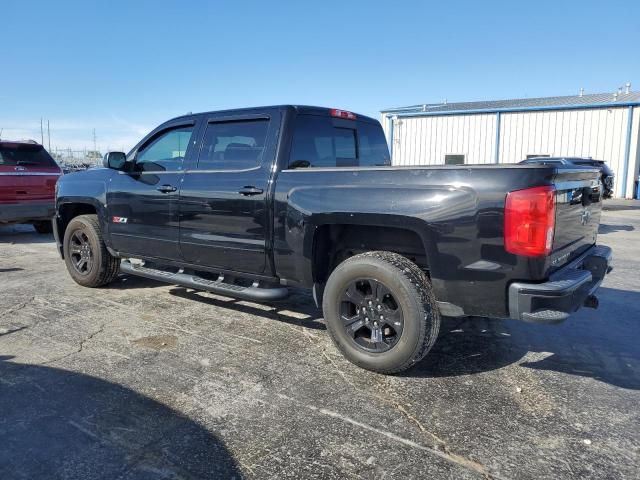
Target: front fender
87, 188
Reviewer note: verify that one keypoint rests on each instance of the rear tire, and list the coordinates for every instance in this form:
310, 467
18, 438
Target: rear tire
367, 287
43, 227
87, 259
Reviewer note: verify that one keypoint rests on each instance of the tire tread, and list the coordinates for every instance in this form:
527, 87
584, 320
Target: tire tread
109, 265
430, 325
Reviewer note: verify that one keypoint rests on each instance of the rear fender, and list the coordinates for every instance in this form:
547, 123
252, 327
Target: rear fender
426, 210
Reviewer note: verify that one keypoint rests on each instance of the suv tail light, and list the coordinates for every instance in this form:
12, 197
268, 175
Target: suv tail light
529, 221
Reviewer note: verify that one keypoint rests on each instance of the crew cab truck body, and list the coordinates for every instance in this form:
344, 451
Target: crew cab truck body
248, 202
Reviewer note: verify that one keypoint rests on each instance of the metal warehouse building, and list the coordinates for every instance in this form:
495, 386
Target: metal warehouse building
603, 126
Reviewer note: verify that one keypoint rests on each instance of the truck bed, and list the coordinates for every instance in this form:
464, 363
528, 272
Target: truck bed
456, 212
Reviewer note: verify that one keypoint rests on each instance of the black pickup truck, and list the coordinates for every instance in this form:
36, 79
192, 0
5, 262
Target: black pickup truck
246, 203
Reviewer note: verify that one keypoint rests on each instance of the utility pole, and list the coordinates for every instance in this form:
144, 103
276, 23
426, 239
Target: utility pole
41, 133
49, 135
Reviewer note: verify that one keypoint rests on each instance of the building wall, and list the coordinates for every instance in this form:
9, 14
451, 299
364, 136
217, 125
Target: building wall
426, 140
598, 133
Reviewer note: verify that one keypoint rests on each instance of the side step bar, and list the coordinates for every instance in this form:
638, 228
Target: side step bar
254, 292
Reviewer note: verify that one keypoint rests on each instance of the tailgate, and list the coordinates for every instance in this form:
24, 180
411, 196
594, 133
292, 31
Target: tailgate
24, 185
578, 209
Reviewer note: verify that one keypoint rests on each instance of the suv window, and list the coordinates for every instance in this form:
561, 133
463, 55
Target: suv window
233, 145
15, 154
327, 142
166, 151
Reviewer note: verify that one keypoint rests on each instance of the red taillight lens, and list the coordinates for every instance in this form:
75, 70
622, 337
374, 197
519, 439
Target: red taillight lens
529, 221
343, 114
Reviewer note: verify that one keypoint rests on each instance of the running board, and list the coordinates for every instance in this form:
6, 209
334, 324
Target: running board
254, 292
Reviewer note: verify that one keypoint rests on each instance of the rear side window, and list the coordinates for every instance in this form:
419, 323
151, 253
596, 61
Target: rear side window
18, 154
234, 145
327, 142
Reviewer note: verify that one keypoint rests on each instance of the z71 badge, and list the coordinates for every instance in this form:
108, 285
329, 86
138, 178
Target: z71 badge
119, 219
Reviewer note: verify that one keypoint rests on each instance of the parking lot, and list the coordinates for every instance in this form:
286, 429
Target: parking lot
146, 380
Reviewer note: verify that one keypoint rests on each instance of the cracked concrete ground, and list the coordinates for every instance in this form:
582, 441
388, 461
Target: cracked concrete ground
143, 380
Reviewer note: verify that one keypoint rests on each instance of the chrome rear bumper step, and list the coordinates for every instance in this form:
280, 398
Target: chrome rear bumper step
254, 292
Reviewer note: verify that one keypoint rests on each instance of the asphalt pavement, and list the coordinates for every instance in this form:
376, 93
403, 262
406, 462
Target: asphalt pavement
143, 380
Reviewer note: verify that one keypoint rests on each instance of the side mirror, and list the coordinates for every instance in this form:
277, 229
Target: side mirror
115, 160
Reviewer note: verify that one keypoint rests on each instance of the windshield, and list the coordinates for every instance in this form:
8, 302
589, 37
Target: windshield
24, 154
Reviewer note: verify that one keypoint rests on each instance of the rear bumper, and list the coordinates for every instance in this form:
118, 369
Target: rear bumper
27, 212
564, 293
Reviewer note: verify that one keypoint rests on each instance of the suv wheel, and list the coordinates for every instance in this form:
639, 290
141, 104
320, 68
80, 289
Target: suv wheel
87, 259
381, 312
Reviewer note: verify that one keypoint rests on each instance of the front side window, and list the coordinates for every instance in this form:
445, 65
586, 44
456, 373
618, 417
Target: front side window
165, 152
233, 145
320, 141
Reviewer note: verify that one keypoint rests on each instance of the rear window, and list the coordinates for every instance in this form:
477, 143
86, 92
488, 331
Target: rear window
332, 142
25, 155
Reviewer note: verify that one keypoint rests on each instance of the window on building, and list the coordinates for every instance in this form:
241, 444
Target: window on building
538, 155
452, 159
235, 145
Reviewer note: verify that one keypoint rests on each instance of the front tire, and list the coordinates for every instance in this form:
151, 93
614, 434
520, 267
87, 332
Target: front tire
87, 259
380, 311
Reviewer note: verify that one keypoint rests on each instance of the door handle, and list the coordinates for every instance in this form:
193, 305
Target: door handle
166, 188
250, 190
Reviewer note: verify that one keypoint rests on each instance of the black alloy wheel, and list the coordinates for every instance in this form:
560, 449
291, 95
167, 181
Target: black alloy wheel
81, 253
371, 315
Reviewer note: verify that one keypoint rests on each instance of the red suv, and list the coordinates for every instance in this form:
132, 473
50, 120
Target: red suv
28, 177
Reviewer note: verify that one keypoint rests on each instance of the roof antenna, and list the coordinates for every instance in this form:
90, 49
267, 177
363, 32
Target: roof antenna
581, 92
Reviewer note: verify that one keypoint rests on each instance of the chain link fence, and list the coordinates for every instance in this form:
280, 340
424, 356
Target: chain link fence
70, 160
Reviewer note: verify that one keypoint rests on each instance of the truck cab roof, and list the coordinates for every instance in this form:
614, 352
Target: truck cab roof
301, 109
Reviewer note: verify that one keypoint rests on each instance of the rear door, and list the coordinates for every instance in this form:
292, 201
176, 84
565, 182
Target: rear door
28, 174
224, 202
142, 203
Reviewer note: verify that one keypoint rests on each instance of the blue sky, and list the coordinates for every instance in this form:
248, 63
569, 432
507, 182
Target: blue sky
122, 67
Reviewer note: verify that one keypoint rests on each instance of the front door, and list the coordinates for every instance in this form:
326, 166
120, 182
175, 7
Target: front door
223, 200
142, 202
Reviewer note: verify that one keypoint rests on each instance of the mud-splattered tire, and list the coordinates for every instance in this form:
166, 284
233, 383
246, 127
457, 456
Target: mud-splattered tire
87, 259
390, 291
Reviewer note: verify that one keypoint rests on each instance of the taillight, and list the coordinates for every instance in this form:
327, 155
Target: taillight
529, 221
343, 114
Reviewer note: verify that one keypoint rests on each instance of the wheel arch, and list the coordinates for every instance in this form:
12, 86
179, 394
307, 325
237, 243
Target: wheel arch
68, 210
335, 242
